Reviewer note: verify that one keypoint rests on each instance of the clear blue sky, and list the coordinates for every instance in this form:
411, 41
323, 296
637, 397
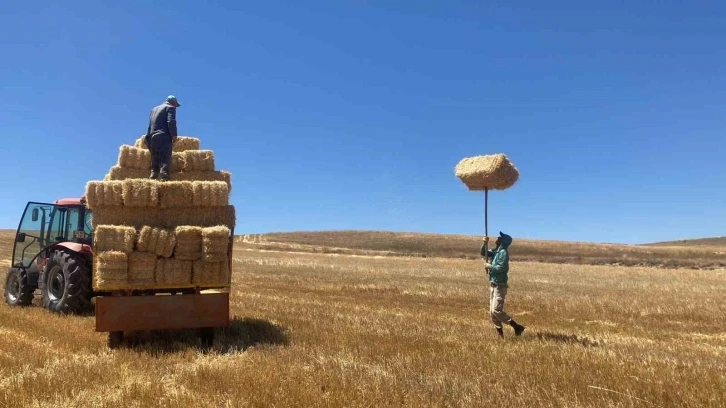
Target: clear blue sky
353, 114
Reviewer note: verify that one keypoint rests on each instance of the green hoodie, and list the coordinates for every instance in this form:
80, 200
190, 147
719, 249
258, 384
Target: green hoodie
499, 266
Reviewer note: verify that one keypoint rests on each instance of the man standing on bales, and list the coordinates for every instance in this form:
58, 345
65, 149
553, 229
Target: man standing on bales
160, 137
497, 270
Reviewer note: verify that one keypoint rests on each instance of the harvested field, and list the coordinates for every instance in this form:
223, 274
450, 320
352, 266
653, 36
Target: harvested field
687, 255
355, 331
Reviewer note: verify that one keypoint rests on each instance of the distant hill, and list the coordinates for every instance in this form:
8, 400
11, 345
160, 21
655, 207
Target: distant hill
383, 243
712, 242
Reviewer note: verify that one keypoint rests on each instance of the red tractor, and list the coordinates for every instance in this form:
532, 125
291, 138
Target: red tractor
53, 252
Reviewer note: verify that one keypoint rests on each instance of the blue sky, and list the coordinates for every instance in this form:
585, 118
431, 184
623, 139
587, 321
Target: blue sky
353, 114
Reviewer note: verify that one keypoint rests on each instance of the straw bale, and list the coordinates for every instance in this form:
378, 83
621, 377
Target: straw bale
183, 143
211, 273
104, 194
222, 175
157, 241
494, 172
188, 243
199, 160
166, 217
134, 158
210, 194
140, 193
178, 163
175, 194
111, 270
215, 242
114, 238
141, 269
173, 272
124, 173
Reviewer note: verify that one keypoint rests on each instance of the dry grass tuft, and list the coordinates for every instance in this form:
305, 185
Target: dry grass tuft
110, 270
114, 238
215, 243
494, 172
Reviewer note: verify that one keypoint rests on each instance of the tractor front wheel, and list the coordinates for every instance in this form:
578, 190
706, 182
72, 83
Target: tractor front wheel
65, 283
18, 292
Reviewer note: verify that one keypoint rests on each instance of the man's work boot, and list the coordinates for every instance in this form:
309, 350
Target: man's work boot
518, 328
500, 332
153, 175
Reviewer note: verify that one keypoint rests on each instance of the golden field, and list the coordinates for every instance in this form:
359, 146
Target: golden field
356, 329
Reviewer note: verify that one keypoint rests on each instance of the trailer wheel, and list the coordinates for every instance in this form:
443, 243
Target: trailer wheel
206, 334
115, 339
65, 283
18, 292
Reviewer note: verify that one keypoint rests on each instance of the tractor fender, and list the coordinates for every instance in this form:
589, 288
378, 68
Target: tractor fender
82, 249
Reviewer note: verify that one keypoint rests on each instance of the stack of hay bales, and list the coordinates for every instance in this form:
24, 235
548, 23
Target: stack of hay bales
156, 235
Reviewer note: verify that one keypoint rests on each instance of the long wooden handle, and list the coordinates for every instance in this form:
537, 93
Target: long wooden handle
486, 223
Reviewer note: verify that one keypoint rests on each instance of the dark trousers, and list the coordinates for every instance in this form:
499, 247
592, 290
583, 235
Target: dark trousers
160, 156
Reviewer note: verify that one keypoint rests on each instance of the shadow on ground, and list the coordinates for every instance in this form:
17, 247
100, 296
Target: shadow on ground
567, 339
240, 335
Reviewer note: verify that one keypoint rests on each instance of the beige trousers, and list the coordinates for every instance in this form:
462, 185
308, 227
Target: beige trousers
496, 305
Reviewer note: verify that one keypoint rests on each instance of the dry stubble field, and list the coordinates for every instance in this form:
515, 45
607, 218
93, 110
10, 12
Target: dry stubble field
327, 330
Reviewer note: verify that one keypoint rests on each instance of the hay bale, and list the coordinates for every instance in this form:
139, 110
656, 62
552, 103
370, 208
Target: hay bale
183, 143
166, 217
124, 173
215, 243
100, 194
494, 172
140, 193
141, 269
114, 238
211, 273
140, 159
188, 243
210, 194
176, 194
111, 270
134, 158
178, 163
158, 241
198, 160
173, 272
222, 175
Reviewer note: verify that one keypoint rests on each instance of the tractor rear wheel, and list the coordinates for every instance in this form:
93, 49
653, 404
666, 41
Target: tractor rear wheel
18, 292
65, 283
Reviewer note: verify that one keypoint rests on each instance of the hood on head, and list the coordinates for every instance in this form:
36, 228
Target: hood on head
504, 240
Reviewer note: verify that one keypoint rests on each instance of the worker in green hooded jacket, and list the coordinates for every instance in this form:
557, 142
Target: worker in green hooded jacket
497, 270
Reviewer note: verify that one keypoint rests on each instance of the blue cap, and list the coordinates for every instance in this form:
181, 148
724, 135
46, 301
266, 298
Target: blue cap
172, 98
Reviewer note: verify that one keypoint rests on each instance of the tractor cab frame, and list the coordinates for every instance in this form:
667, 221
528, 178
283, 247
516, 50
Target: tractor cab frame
53, 247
